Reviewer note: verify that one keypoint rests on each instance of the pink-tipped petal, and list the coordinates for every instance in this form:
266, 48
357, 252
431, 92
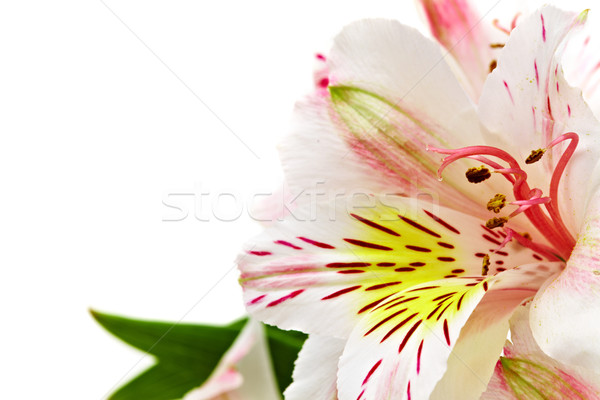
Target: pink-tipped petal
371, 133
525, 372
457, 25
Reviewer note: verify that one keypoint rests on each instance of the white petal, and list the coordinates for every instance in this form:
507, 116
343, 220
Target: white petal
315, 373
564, 316
526, 103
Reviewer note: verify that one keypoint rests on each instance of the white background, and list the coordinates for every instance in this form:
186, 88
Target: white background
105, 110
98, 125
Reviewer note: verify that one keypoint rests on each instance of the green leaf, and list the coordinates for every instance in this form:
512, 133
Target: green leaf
188, 353
284, 347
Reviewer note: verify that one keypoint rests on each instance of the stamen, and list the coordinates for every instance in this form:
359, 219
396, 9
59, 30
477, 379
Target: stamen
493, 65
478, 175
497, 203
528, 200
496, 222
496, 45
486, 265
535, 156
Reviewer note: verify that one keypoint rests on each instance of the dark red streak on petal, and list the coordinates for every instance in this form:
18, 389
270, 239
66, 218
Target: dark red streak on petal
480, 255
375, 225
288, 244
386, 319
386, 264
446, 245
419, 357
260, 253
446, 333
419, 226
442, 222
485, 286
398, 326
458, 271
418, 248
341, 292
443, 311
315, 243
405, 269
543, 28
373, 368
489, 239
397, 303
431, 314
460, 302
383, 285
446, 259
444, 296
491, 232
408, 335
257, 299
362, 243
348, 265
284, 298
360, 395
500, 252
417, 264
537, 257
351, 271
423, 288
373, 304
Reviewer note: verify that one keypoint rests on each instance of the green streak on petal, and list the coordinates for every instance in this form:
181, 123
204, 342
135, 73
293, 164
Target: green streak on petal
374, 121
529, 380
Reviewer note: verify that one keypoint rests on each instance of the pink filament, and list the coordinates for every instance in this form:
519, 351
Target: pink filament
527, 200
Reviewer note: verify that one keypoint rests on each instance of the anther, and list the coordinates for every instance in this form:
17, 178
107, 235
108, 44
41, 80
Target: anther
535, 156
496, 222
493, 65
496, 45
526, 235
477, 175
497, 203
486, 265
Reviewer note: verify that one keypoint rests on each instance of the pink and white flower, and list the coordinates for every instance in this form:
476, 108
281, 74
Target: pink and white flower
243, 373
414, 296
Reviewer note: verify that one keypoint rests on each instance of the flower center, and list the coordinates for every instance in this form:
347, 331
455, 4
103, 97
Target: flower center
542, 211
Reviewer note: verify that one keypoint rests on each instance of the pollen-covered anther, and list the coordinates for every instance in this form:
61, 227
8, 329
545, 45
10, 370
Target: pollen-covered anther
496, 222
486, 265
535, 156
496, 45
497, 203
493, 65
477, 175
